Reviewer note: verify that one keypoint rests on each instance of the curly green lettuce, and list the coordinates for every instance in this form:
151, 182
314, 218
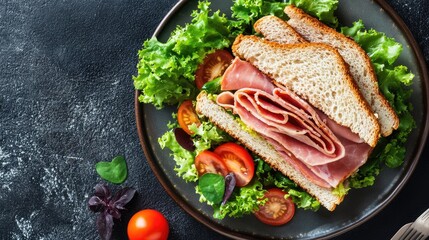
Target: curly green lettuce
246, 12
183, 158
324, 10
243, 201
166, 70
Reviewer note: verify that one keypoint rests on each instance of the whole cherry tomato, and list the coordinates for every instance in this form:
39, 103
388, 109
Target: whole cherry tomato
148, 224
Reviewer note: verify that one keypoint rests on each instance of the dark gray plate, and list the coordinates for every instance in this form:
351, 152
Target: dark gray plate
359, 205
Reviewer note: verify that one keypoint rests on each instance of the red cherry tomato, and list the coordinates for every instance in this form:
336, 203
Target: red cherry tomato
238, 161
213, 66
186, 116
277, 210
148, 224
210, 162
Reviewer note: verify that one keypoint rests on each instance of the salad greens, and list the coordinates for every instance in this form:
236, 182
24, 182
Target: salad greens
166, 77
324, 10
166, 70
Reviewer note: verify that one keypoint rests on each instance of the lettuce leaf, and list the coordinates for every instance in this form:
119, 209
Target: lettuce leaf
207, 136
247, 12
183, 158
394, 81
324, 10
166, 70
243, 201
380, 48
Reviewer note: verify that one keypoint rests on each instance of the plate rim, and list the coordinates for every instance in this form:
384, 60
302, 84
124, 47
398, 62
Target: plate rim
178, 198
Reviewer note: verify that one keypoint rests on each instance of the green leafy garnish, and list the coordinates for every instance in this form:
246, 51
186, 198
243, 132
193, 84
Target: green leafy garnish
183, 158
244, 200
324, 10
212, 186
114, 171
166, 70
246, 12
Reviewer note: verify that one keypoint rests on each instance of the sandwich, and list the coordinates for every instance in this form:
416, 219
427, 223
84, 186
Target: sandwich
312, 115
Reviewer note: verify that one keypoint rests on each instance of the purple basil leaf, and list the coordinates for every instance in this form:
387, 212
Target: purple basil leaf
105, 225
122, 197
96, 204
184, 139
110, 207
229, 186
102, 192
114, 212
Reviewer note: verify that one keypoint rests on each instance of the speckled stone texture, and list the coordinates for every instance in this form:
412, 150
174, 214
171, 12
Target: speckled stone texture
67, 102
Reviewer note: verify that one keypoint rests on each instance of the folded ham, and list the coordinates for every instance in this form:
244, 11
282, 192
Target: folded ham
325, 152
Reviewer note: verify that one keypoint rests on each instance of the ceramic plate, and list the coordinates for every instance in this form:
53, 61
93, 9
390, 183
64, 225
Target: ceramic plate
360, 204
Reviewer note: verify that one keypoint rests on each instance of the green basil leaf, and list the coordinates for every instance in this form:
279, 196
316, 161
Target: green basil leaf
213, 86
212, 187
114, 171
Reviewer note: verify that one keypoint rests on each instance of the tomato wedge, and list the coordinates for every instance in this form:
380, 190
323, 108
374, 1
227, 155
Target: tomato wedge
277, 210
238, 161
213, 66
186, 116
209, 162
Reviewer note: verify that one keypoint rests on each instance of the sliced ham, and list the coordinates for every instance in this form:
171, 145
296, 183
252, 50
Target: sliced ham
304, 134
241, 74
324, 152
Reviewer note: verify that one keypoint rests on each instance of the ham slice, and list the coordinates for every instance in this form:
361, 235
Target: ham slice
295, 125
324, 152
242, 74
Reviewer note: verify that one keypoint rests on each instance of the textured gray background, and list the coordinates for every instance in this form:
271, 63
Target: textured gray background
66, 102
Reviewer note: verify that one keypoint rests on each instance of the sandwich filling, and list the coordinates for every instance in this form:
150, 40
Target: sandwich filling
323, 151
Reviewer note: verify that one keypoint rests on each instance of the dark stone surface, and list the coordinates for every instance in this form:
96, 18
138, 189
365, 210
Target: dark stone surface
66, 102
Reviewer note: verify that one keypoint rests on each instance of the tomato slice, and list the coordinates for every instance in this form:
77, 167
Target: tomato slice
213, 66
277, 210
238, 161
209, 162
186, 116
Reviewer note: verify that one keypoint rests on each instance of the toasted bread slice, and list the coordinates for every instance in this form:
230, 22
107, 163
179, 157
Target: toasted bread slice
318, 74
359, 62
257, 144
